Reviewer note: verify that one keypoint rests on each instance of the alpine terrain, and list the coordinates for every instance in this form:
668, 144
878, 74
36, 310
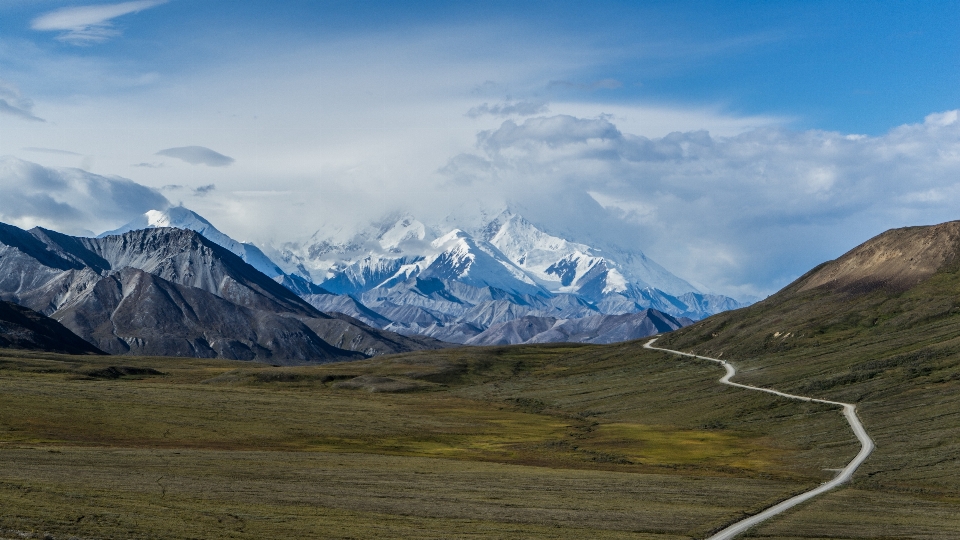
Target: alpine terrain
472, 287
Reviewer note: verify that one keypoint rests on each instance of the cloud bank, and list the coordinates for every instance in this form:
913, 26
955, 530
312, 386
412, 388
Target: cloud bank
83, 25
69, 200
760, 207
197, 155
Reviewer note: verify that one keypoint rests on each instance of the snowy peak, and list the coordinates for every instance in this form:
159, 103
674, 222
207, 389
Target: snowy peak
182, 218
404, 230
478, 263
565, 266
560, 265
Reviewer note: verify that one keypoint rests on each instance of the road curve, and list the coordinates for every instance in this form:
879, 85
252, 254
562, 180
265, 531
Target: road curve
849, 412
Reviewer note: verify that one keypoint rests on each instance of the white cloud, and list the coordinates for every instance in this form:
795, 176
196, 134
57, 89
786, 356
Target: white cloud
51, 151
89, 24
509, 108
69, 200
13, 103
742, 214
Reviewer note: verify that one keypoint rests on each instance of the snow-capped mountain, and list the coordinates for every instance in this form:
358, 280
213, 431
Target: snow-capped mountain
569, 267
182, 218
462, 258
405, 276
358, 261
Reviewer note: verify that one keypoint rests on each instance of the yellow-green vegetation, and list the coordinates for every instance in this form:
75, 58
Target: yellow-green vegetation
897, 355
551, 441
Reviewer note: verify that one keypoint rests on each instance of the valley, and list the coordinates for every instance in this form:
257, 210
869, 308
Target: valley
551, 441
463, 270
411, 436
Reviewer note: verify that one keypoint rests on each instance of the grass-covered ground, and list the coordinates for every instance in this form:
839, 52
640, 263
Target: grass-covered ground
894, 353
553, 441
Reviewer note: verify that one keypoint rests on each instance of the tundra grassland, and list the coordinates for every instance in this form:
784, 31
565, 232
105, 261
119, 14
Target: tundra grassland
548, 441
896, 354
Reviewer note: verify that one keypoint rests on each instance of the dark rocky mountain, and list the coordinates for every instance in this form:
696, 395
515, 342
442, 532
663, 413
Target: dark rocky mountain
455, 312
593, 329
23, 328
167, 291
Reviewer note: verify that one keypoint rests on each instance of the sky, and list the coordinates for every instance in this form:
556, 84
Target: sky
738, 144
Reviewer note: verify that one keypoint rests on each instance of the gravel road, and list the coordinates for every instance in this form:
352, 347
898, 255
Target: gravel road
849, 412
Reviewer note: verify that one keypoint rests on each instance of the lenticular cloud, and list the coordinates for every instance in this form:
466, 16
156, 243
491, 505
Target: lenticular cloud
197, 155
69, 200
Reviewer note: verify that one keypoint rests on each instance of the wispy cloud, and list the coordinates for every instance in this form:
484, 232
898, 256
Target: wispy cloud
51, 151
83, 25
13, 103
602, 84
197, 155
508, 108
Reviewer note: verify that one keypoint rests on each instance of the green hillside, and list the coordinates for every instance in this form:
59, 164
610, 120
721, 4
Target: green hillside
879, 327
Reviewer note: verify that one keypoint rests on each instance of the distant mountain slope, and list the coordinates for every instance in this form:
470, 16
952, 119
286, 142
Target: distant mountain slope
23, 328
182, 218
571, 267
167, 291
593, 329
880, 327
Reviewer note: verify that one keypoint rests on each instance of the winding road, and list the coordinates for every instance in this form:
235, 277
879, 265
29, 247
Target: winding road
849, 412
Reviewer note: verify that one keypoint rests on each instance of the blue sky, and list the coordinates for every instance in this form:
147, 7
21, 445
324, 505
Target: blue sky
859, 67
827, 122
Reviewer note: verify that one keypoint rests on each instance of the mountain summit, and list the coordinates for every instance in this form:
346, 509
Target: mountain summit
182, 218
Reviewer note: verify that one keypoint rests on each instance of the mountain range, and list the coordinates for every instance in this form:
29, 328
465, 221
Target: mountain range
171, 283
173, 292
407, 277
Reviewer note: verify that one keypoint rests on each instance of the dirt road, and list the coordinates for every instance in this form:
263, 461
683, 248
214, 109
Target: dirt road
849, 412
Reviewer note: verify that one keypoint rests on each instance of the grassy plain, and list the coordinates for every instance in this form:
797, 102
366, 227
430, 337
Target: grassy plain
552, 441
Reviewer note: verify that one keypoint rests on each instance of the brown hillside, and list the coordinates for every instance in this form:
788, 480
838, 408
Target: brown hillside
897, 259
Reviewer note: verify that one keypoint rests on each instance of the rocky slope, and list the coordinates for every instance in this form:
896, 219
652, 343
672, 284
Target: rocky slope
23, 328
593, 329
897, 260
